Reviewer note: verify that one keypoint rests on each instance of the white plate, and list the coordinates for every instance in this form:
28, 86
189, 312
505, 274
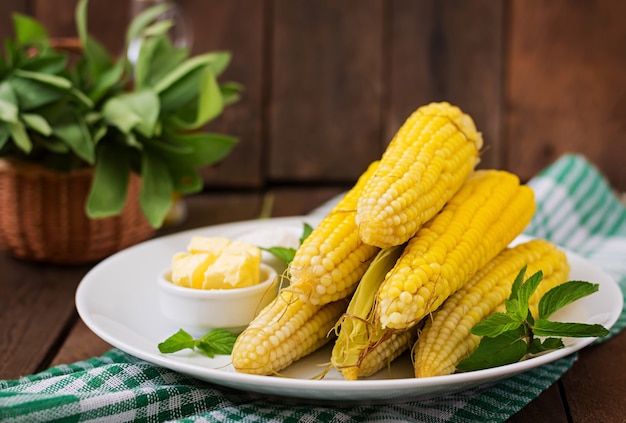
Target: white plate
118, 301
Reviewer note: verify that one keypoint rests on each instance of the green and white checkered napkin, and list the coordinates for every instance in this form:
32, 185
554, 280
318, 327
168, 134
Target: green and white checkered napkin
576, 209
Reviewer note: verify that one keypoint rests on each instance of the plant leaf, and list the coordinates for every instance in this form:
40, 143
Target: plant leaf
188, 67
526, 291
210, 103
4, 135
178, 99
97, 57
517, 283
157, 57
564, 294
204, 148
81, 97
285, 254
56, 145
186, 180
52, 80
217, 341
158, 28
32, 93
218, 61
13, 53
512, 306
518, 303
19, 136
306, 231
52, 62
156, 189
231, 92
548, 344
142, 68
192, 150
80, 16
8, 111
506, 348
110, 184
142, 20
119, 113
37, 123
131, 141
7, 93
109, 79
29, 32
496, 324
179, 341
71, 128
135, 110
543, 327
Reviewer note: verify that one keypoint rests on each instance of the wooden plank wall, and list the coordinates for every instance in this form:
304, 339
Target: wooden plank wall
328, 82
566, 85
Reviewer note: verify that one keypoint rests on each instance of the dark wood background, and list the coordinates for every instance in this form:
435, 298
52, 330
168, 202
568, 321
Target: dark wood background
328, 82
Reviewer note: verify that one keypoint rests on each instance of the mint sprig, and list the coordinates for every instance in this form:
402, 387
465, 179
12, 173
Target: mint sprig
217, 341
514, 335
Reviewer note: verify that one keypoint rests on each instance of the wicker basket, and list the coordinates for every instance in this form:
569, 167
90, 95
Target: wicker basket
42, 216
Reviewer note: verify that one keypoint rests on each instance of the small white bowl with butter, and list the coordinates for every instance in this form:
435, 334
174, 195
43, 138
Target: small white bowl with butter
216, 284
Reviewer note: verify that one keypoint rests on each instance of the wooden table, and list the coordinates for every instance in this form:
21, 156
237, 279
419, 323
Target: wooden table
39, 328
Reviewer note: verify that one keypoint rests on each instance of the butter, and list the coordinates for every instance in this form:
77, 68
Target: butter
216, 263
237, 267
210, 245
188, 269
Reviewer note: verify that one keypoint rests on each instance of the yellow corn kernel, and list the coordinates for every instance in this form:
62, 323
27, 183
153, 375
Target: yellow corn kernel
445, 339
332, 259
479, 221
363, 347
425, 163
283, 332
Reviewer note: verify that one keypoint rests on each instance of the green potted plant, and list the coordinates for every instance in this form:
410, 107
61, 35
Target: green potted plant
131, 132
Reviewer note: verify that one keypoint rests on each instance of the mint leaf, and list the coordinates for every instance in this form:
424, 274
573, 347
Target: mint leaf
543, 327
218, 341
179, 341
306, 231
548, 344
563, 295
506, 348
512, 306
496, 324
517, 283
285, 254
524, 293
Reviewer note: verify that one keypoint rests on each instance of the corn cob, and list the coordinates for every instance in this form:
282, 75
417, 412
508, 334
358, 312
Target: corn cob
446, 339
363, 347
480, 220
285, 331
332, 259
381, 355
425, 163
